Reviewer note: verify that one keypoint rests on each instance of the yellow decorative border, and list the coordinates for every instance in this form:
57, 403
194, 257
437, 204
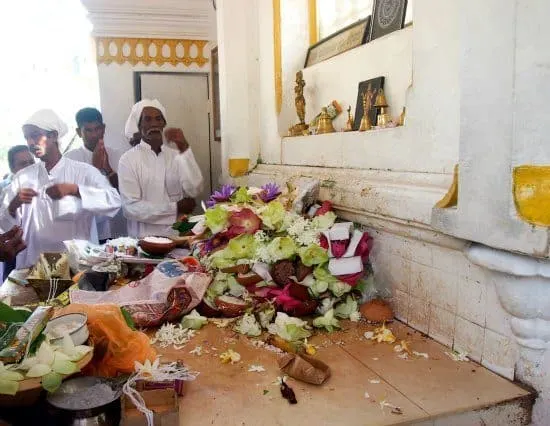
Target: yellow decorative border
277, 53
312, 15
149, 50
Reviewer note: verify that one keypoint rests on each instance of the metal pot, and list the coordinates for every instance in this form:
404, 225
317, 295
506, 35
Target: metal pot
105, 411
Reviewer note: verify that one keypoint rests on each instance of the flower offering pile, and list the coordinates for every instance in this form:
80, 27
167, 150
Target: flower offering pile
277, 256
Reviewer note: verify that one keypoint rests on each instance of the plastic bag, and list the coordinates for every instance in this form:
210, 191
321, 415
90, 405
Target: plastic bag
116, 346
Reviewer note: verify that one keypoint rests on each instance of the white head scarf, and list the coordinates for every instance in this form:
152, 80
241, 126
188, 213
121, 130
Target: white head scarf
47, 119
133, 120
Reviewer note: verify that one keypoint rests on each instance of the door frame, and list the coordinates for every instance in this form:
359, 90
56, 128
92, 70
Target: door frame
137, 97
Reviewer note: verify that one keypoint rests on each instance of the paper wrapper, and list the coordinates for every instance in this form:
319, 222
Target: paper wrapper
305, 368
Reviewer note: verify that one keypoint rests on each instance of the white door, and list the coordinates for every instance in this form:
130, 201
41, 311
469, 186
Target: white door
185, 97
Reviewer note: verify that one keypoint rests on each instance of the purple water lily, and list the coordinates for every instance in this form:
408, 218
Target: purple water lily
224, 194
270, 191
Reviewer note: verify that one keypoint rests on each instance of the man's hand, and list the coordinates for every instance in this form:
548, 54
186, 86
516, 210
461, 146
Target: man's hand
60, 190
100, 159
185, 206
176, 136
24, 196
11, 243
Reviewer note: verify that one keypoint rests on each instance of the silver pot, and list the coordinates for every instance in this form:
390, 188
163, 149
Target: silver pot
84, 401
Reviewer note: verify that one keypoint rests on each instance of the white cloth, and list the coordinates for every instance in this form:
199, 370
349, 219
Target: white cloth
46, 119
106, 227
47, 223
133, 120
151, 185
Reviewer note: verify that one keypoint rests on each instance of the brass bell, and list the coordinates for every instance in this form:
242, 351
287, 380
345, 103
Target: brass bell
325, 123
384, 117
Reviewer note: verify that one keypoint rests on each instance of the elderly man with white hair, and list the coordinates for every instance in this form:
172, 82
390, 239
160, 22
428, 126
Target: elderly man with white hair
56, 198
157, 182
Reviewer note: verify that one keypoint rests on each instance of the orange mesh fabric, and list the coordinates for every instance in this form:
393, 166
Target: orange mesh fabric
116, 346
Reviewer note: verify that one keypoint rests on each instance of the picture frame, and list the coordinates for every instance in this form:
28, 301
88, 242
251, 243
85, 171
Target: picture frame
376, 84
387, 16
214, 69
347, 38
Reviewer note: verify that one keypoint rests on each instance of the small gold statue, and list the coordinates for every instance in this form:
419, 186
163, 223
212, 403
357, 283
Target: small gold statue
325, 123
384, 117
349, 124
300, 102
367, 102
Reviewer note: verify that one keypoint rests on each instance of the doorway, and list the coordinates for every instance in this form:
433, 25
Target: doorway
186, 99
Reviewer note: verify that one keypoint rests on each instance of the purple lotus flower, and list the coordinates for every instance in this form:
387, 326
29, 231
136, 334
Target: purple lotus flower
270, 191
224, 194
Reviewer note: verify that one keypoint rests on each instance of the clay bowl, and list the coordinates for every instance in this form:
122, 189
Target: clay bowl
155, 248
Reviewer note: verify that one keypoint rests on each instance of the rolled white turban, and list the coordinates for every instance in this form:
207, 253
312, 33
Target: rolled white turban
48, 120
133, 120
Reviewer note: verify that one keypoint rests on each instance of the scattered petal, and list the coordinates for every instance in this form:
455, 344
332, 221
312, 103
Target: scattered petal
458, 356
256, 369
367, 396
369, 335
374, 381
421, 354
230, 356
197, 351
403, 355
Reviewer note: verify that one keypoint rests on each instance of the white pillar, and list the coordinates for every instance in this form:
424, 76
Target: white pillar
523, 287
238, 49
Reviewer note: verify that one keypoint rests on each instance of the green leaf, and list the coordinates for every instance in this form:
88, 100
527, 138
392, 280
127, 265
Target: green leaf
128, 318
9, 315
52, 381
313, 255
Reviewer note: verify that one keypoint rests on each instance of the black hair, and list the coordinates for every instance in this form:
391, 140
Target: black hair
88, 115
13, 151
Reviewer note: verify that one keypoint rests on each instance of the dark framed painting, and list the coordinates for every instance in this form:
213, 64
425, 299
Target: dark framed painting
347, 38
374, 85
215, 93
387, 16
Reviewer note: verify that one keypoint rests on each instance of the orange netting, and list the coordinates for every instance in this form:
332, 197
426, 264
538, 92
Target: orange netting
116, 346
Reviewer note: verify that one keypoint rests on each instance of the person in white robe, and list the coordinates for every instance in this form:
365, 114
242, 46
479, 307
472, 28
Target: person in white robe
57, 198
91, 128
157, 182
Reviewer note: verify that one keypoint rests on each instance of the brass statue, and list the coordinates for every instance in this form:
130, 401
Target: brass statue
300, 102
349, 124
325, 123
368, 95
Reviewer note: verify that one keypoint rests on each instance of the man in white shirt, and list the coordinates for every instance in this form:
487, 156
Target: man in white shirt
91, 129
57, 198
157, 182
19, 157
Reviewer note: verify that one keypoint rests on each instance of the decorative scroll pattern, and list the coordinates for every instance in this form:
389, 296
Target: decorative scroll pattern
150, 50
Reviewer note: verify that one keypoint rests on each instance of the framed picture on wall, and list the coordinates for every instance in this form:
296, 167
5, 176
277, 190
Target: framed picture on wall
215, 93
347, 38
374, 85
387, 16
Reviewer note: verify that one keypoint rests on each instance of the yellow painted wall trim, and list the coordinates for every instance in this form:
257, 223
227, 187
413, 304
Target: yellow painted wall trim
238, 166
277, 53
451, 197
312, 15
532, 193
150, 50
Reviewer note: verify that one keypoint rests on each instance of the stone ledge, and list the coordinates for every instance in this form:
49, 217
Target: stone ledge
397, 202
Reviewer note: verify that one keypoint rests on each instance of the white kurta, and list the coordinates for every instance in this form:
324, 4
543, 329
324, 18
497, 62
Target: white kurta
47, 223
151, 185
106, 227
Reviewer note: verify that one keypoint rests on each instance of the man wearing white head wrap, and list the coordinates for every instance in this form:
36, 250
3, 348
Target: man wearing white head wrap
157, 183
57, 198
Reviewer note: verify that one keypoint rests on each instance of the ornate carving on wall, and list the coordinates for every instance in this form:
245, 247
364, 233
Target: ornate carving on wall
150, 50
